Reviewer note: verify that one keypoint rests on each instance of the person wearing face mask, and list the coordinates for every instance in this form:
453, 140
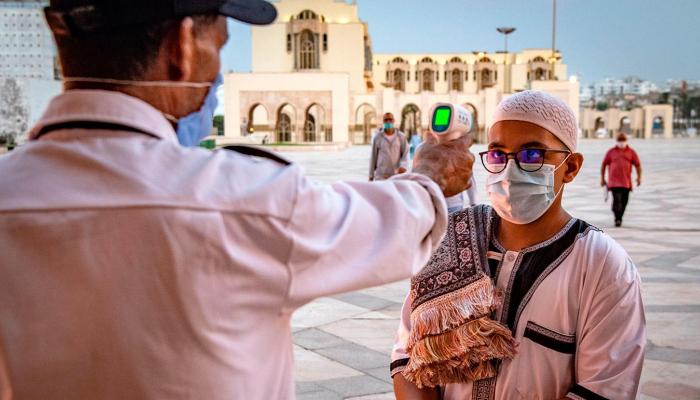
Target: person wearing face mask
523, 300
618, 162
134, 265
390, 151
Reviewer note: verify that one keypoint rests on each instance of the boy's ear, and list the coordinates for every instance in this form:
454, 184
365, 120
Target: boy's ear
573, 166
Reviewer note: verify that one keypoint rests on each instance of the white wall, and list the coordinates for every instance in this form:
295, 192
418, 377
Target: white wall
336, 83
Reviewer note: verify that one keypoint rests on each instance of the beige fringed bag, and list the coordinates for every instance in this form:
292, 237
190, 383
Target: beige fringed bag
453, 339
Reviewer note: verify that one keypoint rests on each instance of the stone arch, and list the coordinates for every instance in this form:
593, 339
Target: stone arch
657, 125
258, 119
284, 128
540, 74
365, 121
308, 50
410, 120
314, 124
308, 15
475, 117
600, 129
538, 59
626, 125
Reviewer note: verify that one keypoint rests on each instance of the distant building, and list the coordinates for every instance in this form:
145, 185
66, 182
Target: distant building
315, 79
28, 66
618, 88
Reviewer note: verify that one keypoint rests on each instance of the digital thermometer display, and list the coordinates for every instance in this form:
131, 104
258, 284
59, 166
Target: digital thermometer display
441, 119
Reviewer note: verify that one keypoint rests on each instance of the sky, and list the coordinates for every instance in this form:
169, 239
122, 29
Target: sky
652, 39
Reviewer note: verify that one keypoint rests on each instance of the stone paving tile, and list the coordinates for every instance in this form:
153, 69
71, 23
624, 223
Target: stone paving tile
314, 339
672, 354
381, 373
320, 395
356, 356
364, 300
383, 396
312, 366
378, 335
356, 386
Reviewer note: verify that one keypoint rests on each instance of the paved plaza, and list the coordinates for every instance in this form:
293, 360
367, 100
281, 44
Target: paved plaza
342, 344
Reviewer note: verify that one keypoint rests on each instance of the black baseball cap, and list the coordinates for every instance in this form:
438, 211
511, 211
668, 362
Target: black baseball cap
84, 16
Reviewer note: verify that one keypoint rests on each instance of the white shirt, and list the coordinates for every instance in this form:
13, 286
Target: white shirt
574, 303
387, 156
134, 268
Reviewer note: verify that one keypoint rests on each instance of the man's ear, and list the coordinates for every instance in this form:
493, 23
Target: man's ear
181, 50
572, 167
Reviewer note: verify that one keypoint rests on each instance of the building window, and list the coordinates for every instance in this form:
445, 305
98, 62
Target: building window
308, 14
325, 42
289, 43
428, 80
308, 52
310, 129
456, 83
399, 80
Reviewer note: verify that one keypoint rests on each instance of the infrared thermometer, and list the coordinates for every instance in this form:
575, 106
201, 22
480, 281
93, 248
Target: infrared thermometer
450, 121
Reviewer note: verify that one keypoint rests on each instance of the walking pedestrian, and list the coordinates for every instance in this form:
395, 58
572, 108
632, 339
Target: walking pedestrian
390, 152
618, 162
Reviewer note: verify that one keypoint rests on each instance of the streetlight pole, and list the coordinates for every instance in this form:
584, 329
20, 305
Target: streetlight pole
553, 58
506, 31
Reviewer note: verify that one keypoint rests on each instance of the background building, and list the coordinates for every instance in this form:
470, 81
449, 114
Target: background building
28, 66
315, 79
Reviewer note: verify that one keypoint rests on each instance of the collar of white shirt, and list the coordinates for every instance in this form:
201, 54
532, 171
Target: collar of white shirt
105, 106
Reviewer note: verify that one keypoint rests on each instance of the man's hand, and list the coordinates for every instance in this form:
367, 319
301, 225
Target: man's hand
448, 164
639, 181
602, 182
401, 170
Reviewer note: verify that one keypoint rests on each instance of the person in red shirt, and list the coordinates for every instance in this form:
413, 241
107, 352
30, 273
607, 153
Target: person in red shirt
620, 160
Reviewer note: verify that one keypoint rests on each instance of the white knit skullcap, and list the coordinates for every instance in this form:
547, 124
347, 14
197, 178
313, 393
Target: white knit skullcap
541, 109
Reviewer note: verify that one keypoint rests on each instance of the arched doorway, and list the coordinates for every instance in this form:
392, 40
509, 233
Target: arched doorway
365, 122
600, 131
285, 123
314, 129
258, 119
476, 131
626, 126
410, 120
657, 126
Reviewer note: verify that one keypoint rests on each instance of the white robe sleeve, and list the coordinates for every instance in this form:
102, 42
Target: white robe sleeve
611, 331
349, 236
399, 355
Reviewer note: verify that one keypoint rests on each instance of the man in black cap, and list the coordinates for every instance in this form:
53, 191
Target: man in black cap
133, 267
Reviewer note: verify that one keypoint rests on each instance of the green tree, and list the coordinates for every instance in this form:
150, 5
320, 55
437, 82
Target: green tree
219, 124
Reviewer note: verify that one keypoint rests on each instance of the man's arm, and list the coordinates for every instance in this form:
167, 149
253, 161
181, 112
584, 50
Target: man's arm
349, 236
405, 390
638, 167
611, 332
404, 160
603, 167
373, 158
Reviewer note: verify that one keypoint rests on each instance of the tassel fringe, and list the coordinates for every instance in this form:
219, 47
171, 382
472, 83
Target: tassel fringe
453, 340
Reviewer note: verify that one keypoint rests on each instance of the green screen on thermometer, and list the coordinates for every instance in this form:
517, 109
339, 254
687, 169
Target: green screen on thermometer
441, 119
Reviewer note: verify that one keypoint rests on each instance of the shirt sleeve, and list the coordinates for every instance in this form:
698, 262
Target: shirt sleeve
635, 159
399, 355
373, 157
607, 159
404, 160
349, 236
611, 332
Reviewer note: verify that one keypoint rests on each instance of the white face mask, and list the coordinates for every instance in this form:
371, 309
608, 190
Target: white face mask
522, 197
622, 145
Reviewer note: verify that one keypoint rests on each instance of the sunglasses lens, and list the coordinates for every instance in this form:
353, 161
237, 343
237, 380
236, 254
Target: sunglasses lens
530, 159
495, 157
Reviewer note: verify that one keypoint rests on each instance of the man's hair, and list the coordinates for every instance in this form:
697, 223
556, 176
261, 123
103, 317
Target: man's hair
125, 53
